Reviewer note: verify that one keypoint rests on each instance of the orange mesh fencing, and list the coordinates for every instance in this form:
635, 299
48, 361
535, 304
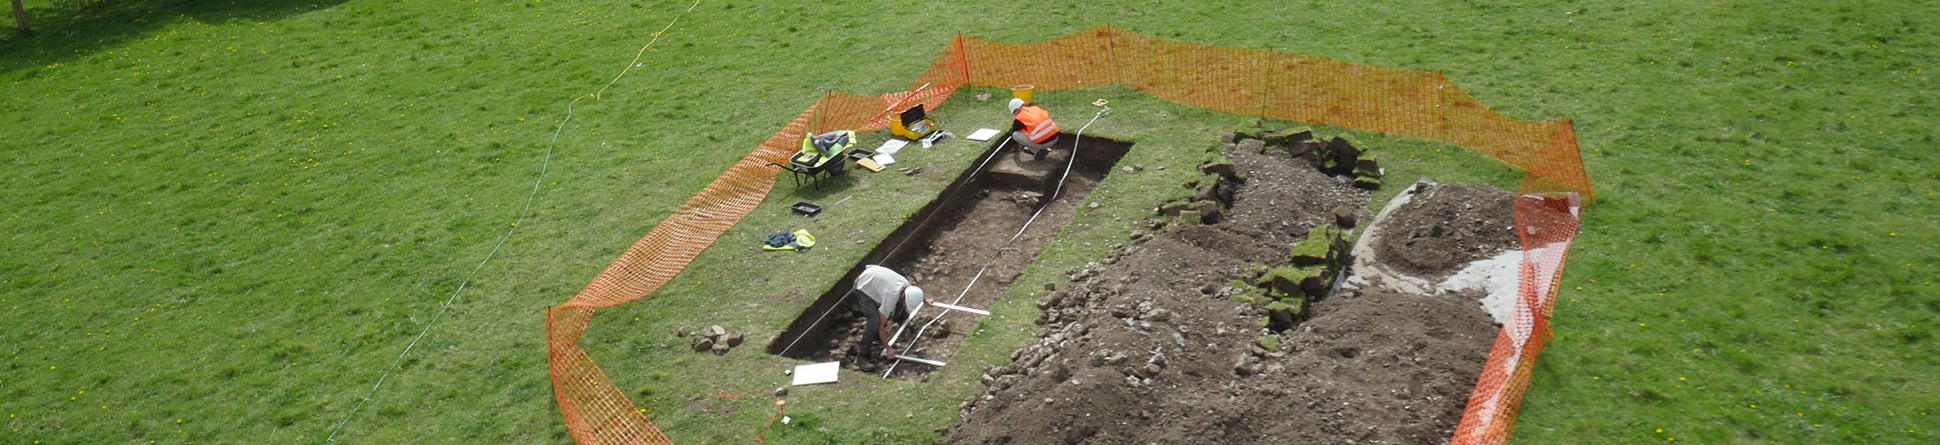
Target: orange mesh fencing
1244, 81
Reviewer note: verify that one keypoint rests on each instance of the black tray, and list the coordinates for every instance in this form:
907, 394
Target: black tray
805, 209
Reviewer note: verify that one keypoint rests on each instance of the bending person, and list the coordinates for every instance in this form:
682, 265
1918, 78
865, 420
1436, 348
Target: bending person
886, 294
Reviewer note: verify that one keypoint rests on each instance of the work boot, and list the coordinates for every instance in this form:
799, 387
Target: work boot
1040, 154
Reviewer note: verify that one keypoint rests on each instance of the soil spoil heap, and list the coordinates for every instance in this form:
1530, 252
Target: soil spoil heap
1163, 341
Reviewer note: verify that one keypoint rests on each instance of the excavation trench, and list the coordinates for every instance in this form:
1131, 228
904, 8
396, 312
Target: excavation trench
967, 228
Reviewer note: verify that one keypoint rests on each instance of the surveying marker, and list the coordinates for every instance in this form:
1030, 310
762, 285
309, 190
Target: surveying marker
919, 360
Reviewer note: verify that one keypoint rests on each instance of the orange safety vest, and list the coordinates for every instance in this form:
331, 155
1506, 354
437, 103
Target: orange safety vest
1037, 123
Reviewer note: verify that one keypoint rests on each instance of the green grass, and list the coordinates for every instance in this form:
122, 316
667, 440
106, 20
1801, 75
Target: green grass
223, 221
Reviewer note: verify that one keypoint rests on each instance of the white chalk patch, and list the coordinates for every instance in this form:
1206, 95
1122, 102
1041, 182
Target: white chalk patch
1500, 277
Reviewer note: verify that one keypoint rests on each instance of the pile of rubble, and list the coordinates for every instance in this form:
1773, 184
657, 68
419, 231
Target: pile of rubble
1171, 337
712, 338
1335, 156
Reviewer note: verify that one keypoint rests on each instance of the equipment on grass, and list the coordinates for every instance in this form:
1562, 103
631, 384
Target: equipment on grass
810, 374
912, 124
799, 240
821, 155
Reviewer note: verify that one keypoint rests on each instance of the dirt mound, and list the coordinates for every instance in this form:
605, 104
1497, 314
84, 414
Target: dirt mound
1147, 345
1445, 227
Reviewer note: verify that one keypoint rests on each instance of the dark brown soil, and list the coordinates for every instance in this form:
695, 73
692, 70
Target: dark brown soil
1146, 346
1445, 227
968, 233
968, 241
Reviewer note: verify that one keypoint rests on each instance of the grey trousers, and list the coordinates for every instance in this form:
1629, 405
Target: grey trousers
1024, 143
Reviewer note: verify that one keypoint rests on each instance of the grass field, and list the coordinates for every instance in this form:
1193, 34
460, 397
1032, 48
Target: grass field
222, 222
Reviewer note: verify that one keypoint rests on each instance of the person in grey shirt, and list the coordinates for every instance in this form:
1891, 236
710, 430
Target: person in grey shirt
885, 294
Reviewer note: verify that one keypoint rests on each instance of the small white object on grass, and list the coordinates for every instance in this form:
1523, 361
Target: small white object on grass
816, 373
982, 134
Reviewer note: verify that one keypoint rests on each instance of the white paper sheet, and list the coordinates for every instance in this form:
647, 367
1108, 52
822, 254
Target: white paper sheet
817, 373
892, 146
982, 134
884, 158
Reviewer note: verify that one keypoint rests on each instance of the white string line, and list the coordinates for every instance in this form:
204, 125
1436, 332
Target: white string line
546, 163
1079, 137
939, 208
899, 245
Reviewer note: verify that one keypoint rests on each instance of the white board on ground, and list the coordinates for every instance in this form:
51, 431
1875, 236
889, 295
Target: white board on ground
816, 373
884, 159
892, 146
982, 134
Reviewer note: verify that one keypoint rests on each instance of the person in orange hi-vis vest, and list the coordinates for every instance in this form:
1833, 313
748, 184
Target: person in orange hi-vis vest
1032, 128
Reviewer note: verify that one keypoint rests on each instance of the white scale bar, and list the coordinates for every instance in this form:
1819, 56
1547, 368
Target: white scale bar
919, 360
961, 308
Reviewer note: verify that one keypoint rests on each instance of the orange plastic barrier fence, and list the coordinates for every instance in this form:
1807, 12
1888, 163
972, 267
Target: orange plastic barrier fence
1253, 82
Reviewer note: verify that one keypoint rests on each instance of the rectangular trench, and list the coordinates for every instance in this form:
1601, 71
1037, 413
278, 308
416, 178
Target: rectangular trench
967, 227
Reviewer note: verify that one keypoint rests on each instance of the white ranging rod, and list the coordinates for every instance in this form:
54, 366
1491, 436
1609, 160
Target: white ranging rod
919, 360
961, 308
946, 307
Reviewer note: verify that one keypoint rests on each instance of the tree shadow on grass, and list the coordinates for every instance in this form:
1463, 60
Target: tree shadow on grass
75, 28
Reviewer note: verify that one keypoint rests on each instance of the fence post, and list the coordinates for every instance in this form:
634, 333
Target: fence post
1266, 56
1442, 127
1111, 50
963, 60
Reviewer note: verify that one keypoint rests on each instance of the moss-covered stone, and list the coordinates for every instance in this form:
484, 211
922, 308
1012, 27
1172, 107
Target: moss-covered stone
1367, 166
1282, 315
1173, 207
1299, 136
1274, 137
1220, 167
1268, 342
1191, 217
1286, 279
1313, 250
